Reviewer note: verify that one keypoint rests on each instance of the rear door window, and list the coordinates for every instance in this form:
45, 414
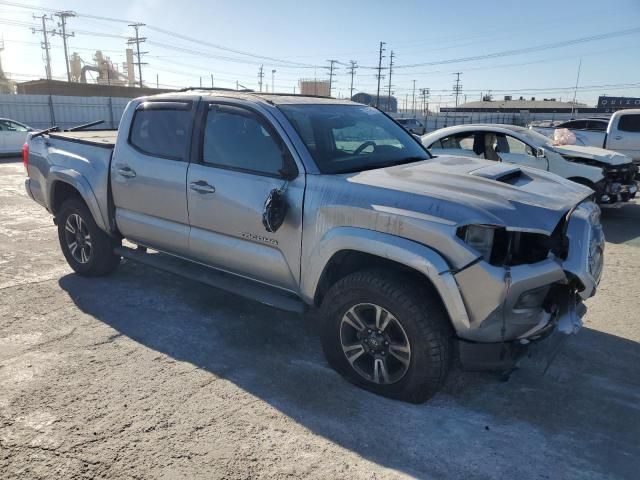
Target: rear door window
162, 131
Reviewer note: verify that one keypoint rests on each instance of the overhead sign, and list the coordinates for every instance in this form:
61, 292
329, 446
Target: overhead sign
618, 103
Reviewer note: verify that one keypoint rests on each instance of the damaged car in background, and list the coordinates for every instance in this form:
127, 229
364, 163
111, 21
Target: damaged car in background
610, 174
328, 206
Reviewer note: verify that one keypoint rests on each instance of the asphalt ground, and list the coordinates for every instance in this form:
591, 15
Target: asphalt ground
146, 375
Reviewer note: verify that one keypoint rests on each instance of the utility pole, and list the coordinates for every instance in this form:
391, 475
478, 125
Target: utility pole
260, 76
45, 43
380, 56
413, 100
63, 15
212, 82
425, 104
390, 72
575, 90
457, 88
137, 41
273, 81
352, 72
331, 68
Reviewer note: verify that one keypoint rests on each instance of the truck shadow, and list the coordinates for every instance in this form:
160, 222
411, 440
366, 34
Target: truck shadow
582, 414
622, 225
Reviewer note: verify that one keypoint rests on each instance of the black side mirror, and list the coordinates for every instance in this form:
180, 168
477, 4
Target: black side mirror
275, 210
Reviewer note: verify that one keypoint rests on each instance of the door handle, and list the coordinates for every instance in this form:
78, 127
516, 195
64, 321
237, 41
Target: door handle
618, 137
202, 187
126, 171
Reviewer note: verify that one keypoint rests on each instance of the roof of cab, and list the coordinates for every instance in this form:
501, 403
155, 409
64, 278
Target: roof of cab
272, 98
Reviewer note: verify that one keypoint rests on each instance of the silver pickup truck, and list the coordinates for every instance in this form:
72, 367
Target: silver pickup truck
408, 262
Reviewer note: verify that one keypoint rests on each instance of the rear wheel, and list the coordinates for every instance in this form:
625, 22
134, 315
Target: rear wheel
88, 250
385, 335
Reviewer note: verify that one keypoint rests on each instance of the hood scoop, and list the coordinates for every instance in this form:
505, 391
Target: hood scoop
510, 174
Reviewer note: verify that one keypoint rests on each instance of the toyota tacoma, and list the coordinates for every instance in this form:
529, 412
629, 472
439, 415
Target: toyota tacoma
410, 263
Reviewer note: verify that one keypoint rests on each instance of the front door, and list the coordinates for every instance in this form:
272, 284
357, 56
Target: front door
149, 174
240, 162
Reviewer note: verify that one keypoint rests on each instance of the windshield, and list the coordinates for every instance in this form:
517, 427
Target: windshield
352, 138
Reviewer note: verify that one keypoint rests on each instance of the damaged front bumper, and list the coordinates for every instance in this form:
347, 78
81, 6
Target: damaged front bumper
511, 308
616, 192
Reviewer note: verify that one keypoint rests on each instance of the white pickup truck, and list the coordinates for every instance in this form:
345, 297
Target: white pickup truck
620, 133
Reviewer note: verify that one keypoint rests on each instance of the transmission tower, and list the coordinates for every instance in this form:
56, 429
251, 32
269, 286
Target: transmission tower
352, 71
46, 46
457, 87
137, 40
62, 25
379, 75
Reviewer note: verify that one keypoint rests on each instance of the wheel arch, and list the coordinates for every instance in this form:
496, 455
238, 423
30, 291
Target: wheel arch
344, 250
65, 183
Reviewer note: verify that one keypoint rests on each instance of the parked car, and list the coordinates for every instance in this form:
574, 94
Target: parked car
611, 175
413, 125
620, 133
327, 205
12, 136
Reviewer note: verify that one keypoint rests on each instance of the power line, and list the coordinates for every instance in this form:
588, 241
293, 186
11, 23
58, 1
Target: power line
518, 51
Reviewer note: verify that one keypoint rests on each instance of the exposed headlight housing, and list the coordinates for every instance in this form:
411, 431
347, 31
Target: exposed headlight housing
480, 238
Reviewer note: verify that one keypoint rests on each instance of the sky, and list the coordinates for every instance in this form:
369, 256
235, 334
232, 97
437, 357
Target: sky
430, 41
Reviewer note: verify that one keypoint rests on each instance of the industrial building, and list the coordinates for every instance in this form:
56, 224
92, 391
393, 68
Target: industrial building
511, 105
605, 104
75, 89
386, 103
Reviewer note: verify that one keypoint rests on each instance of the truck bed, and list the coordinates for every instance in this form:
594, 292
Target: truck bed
99, 138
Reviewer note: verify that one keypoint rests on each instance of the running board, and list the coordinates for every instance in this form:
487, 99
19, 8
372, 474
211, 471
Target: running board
216, 278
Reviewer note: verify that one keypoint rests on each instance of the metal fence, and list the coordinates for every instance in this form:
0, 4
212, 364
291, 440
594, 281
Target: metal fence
435, 121
42, 111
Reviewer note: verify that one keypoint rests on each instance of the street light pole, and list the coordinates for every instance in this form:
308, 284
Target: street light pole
273, 81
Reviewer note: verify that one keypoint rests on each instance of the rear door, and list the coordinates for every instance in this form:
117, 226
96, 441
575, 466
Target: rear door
624, 136
239, 162
149, 172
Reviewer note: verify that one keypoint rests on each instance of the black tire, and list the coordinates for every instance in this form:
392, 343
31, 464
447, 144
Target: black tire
100, 257
421, 315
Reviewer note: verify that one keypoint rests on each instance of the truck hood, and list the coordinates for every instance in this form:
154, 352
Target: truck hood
463, 190
592, 153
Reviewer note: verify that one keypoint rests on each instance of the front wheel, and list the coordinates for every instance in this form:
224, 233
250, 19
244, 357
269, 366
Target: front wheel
386, 335
88, 250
